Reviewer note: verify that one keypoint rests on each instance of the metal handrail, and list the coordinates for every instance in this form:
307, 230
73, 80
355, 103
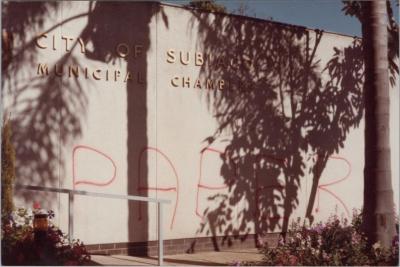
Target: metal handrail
72, 192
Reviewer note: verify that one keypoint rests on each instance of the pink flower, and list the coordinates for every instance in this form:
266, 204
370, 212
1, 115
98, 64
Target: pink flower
236, 263
36, 205
319, 229
293, 260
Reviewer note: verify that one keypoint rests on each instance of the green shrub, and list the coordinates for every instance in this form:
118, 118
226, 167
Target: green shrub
207, 5
334, 243
7, 170
20, 247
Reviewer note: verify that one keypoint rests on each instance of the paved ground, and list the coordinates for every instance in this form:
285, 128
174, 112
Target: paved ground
227, 257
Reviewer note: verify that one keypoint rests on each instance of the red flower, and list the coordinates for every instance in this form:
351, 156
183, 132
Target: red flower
36, 205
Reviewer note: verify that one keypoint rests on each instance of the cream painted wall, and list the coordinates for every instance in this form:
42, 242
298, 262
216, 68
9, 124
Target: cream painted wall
181, 165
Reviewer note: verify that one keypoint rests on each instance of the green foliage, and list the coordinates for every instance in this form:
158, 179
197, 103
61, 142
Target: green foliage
7, 169
354, 9
333, 243
207, 5
19, 246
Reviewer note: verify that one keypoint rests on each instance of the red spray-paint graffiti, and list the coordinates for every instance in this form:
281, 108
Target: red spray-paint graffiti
77, 181
200, 185
156, 188
324, 188
273, 160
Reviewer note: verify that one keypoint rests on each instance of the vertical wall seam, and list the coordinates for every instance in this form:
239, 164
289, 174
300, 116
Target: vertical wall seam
60, 138
157, 8
156, 92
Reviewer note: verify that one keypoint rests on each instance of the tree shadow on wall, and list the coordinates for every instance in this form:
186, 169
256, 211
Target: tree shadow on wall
278, 110
42, 124
106, 30
53, 119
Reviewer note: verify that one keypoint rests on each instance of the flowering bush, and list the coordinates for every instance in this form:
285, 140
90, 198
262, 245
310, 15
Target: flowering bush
334, 243
20, 246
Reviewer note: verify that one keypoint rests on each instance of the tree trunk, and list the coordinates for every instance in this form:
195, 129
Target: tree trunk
378, 212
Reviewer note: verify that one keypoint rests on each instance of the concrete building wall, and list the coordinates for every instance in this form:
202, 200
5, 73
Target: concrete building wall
231, 135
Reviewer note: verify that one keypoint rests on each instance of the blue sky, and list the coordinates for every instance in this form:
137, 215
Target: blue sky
315, 14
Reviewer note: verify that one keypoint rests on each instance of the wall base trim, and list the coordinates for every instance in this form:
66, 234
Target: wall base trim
181, 246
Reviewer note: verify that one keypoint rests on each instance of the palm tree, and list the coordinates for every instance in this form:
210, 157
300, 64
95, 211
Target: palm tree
378, 213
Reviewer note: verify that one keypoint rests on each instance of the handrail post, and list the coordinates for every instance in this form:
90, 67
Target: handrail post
70, 216
160, 235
